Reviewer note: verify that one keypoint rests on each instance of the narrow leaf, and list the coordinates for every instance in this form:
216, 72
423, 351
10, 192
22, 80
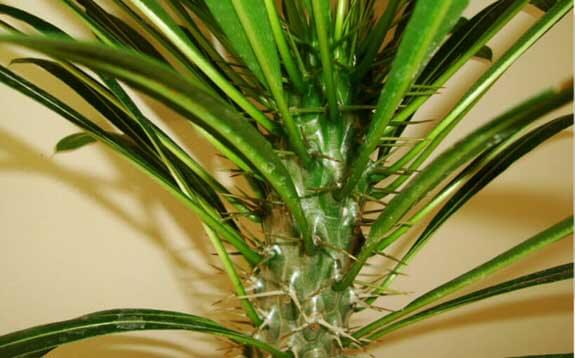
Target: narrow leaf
515, 254
130, 152
453, 159
41, 338
32, 20
214, 115
157, 15
122, 32
238, 24
558, 273
475, 177
430, 22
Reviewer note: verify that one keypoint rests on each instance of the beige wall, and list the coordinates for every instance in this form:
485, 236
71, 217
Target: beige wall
83, 231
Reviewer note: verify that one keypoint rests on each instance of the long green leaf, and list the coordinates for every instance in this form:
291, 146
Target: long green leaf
321, 17
558, 273
238, 26
421, 151
469, 37
41, 338
375, 38
465, 43
478, 141
34, 21
473, 178
450, 162
254, 25
235, 278
120, 30
493, 168
283, 47
214, 115
158, 16
430, 22
132, 153
515, 254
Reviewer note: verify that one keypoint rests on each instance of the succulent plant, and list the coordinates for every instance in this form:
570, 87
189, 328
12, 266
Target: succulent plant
309, 101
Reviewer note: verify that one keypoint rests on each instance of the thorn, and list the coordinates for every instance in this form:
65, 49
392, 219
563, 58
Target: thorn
370, 198
375, 211
219, 269
237, 321
393, 258
263, 294
407, 123
402, 139
326, 157
376, 308
385, 191
356, 107
232, 253
340, 250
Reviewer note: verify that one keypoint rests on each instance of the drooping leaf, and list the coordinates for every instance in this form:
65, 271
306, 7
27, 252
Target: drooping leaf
492, 169
172, 31
534, 244
74, 141
468, 36
32, 20
554, 274
486, 168
133, 154
122, 32
42, 338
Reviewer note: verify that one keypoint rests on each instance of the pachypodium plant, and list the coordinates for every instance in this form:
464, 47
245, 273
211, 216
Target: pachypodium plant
309, 100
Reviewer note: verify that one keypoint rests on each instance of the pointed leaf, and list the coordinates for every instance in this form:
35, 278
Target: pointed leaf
158, 16
133, 154
255, 25
534, 244
122, 32
452, 159
467, 37
41, 338
487, 167
239, 20
430, 22
492, 169
74, 141
39, 24
558, 273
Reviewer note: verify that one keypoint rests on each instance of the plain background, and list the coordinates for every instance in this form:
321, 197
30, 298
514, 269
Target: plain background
84, 231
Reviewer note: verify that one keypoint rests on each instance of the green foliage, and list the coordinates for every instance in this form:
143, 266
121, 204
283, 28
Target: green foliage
309, 101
